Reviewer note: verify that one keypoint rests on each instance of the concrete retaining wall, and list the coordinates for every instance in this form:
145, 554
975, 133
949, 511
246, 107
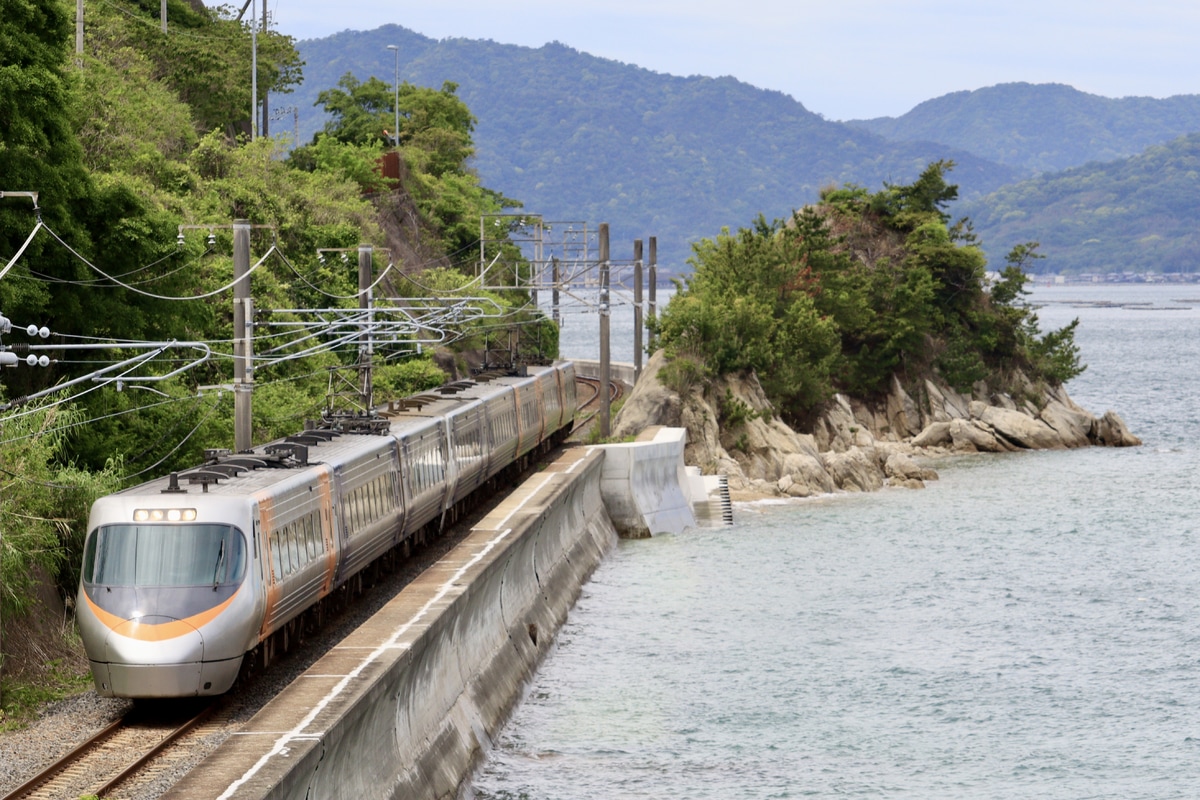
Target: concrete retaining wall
645, 484
405, 706
622, 371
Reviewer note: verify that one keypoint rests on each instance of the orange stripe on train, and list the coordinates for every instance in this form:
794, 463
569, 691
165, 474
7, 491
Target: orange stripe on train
158, 631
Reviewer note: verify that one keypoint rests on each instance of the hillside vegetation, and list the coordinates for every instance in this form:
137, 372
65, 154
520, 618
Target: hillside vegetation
1134, 215
1038, 128
141, 160
583, 138
578, 137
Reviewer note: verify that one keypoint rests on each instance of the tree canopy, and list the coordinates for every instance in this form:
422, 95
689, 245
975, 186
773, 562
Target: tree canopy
139, 153
854, 290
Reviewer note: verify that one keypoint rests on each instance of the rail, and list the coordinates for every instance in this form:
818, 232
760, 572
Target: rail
100, 763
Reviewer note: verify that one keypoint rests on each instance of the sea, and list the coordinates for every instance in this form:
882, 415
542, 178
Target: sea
1028, 626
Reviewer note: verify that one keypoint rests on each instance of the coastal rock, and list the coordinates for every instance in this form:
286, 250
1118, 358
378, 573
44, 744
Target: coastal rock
1073, 425
903, 416
902, 470
854, 470
1020, 429
1111, 431
856, 445
973, 436
650, 404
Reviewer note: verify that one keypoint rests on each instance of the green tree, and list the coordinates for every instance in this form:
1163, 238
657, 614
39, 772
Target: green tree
853, 291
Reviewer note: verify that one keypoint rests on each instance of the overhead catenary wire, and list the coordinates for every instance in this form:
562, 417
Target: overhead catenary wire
272, 251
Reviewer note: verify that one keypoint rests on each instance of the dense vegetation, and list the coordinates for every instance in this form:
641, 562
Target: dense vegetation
583, 138
1042, 127
140, 155
1133, 215
852, 291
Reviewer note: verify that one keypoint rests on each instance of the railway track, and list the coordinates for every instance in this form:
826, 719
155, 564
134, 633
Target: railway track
131, 748
142, 754
592, 405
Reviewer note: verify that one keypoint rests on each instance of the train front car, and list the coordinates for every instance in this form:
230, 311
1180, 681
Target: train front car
167, 600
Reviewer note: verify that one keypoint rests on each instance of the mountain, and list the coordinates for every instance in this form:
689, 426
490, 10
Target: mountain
1137, 214
576, 137
1042, 127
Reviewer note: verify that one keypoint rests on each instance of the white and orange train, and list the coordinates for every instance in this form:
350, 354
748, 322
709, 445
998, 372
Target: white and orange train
186, 576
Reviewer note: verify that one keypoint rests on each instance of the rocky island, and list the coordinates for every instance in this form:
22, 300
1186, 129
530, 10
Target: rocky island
835, 349
857, 446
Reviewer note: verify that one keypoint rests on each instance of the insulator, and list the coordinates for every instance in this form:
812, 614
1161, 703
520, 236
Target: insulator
31, 360
212, 239
179, 240
43, 361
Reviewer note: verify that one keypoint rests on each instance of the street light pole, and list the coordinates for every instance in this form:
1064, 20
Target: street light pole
396, 128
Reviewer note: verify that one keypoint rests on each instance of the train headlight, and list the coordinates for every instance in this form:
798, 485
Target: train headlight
164, 514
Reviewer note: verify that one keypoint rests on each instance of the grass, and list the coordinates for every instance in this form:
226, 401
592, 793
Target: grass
21, 700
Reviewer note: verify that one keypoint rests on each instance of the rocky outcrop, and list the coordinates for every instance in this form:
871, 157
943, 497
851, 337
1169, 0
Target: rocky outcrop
854, 445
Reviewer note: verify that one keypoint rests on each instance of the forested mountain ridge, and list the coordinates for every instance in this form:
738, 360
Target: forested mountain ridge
584, 138
1136, 214
1042, 127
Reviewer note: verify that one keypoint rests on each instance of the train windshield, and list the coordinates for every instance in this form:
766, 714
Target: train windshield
165, 555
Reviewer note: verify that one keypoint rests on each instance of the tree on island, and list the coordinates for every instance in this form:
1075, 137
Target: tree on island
852, 291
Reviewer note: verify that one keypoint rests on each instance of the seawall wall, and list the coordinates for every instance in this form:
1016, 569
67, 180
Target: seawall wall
407, 705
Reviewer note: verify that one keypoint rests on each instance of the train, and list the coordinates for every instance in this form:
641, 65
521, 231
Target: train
189, 577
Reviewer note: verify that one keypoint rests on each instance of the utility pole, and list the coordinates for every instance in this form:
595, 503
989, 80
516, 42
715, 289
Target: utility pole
605, 368
554, 292
253, 74
266, 90
366, 350
653, 286
637, 310
162, 13
243, 316
79, 29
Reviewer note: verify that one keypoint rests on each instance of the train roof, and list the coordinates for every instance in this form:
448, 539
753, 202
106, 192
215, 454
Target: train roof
299, 457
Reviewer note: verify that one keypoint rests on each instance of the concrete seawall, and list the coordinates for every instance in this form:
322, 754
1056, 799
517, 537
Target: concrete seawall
406, 705
645, 485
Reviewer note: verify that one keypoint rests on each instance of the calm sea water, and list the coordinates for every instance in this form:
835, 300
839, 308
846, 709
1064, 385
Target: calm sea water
1028, 626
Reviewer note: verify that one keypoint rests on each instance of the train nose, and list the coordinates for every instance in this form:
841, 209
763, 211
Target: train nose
153, 656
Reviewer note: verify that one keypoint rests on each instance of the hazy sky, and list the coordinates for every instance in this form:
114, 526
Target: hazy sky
845, 59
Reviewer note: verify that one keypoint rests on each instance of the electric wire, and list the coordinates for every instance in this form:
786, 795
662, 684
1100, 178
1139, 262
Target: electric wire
316, 288
174, 449
274, 250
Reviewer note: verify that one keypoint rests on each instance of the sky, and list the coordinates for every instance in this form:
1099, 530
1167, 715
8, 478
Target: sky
845, 59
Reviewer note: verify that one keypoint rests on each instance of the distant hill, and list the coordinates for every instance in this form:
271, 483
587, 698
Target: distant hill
1042, 127
1137, 214
578, 137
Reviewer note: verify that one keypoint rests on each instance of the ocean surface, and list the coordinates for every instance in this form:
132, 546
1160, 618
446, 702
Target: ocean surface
1026, 627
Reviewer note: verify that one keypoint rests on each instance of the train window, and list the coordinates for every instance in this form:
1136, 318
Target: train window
89, 557
168, 555
310, 537
276, 566
385, 493
285, 558
293, 549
